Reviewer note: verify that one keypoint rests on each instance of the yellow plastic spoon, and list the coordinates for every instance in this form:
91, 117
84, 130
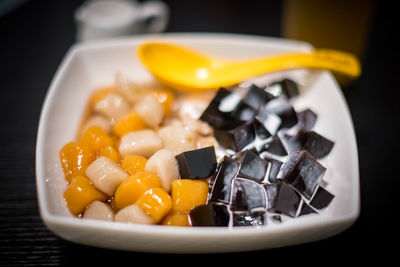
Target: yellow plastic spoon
186, 70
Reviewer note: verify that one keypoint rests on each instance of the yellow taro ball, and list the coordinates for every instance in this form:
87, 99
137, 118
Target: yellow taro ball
74, 158
133, 164
81, 193
133, 187
156, 203
132, 122
187, 194
177, 219
111, 153
96, 138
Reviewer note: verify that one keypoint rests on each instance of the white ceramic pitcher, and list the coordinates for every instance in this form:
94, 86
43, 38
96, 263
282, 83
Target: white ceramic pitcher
102, 19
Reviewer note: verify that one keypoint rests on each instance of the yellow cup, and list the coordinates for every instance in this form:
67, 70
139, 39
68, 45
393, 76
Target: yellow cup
342, 25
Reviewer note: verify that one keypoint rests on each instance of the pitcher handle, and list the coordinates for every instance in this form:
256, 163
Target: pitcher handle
156, 15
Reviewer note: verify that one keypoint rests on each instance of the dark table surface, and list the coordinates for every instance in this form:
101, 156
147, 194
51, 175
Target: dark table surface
34, 39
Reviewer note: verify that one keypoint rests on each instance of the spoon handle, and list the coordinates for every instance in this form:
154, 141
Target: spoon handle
333, 60
336, 61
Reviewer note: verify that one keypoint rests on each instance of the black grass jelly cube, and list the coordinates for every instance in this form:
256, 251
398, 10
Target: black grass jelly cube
247, 195
282, 198
302, 171
212, 115
260, 129
210, 214
270, 121
286, 87
321, 199
306, 120
316, 144
251, 165
197, 164
283, 109
271, 190
275, 147
274, 166
236, 138
248, 218
306, 209
243, 112
257, 97
222, 182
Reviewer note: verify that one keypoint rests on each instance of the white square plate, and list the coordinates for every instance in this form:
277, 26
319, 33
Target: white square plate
87, 66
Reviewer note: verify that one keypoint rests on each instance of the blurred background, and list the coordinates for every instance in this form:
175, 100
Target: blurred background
35, 35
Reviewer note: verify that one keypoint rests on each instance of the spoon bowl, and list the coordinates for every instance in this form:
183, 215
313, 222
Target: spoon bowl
183, 69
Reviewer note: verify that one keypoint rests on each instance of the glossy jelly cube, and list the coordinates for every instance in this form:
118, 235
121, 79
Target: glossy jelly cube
286, 87
271, 190
243, 112
274, 166
305, 209
302, 171
314, 143
257, 97
247, 195
230, 102
282, 198
306, 120
212, 114
321, 199
270, 121
248, 218
274, 146
197, 164
222, 181
236, 138
283, 109
251, 165
260, 129
210, 214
